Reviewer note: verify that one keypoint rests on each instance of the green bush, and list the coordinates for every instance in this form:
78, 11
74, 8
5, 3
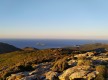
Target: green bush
15, 61
88, 62
80, 62
99, 77
60, 65
102, 70
84, 62
82, 58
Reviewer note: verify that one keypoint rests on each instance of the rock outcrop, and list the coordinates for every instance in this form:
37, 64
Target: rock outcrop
57, 64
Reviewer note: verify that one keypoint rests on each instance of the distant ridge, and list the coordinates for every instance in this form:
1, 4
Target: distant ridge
29, 49
98, 47
5, 48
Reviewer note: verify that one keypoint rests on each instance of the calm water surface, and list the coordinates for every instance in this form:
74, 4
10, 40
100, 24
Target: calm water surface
47, 43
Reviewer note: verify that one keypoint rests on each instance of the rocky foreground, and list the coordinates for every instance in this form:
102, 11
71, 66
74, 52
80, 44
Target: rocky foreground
86, 66
85, 62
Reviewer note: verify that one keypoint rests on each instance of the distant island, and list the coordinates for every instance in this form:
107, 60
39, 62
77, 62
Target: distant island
82, 62
40, 44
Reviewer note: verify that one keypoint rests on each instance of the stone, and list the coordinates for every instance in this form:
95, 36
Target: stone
78, 75
91, 75
33, 72
72, 63
80, 55
51, 75
65, 75
31, 77
90, 54
17, 76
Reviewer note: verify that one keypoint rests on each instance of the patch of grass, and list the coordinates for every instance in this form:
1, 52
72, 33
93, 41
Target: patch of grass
16, 61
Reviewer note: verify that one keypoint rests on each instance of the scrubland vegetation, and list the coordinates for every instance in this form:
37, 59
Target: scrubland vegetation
60, 60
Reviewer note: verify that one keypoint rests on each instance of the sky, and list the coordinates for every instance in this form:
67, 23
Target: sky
54, 19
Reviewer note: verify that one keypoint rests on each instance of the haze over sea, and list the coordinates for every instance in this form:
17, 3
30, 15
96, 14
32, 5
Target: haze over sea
49, 43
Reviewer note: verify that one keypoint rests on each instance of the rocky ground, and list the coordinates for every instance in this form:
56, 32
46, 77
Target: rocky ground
86, 66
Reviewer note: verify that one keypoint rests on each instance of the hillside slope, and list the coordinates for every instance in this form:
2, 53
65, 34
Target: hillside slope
98, 47
54, 60
5, 48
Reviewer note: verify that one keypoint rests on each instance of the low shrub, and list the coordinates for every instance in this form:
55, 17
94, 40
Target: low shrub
84, 62
82, 58
88, 62
80, 62
102, 70
99, 77
60, 65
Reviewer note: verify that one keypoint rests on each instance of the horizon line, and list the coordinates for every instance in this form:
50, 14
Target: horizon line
51, 39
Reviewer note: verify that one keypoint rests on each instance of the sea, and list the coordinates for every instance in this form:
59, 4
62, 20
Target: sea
49, 43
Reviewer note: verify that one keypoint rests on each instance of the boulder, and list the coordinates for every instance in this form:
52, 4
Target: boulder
65, 75
80, 55
72, 63
91, 75
31, 77
33, 72
90, 54
17, 76
78, 75
51, 75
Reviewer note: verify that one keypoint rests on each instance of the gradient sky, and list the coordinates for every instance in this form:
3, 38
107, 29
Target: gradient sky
54, 19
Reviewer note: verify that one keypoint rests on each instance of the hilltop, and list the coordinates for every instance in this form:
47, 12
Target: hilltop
98, 47
56, 63
5, 48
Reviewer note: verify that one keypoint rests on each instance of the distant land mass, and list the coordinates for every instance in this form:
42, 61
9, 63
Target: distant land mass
5, 48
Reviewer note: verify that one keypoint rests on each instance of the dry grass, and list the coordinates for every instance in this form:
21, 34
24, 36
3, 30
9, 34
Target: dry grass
10, 62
